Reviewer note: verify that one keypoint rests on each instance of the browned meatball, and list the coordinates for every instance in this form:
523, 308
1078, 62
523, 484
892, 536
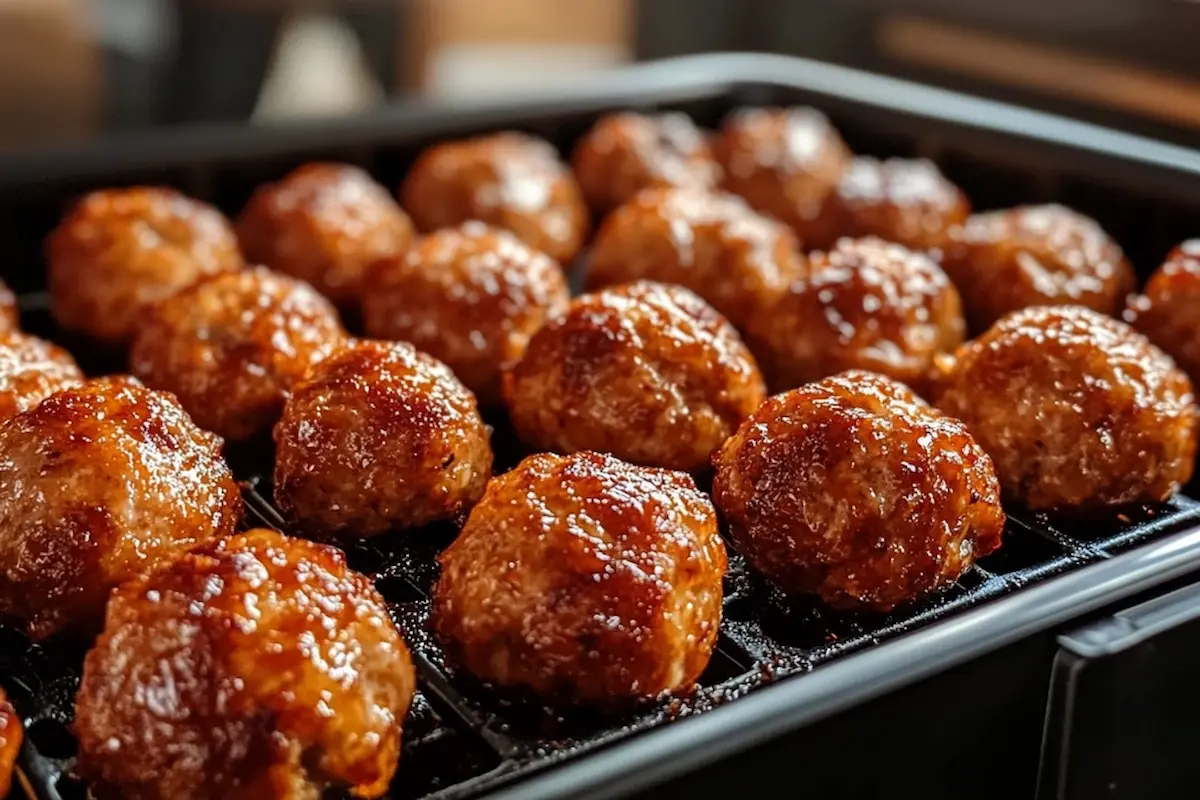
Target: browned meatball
866, 304
584, 579
8, 310
1077, 409
256, 667
120, 250
469, 296
509, 180
10, 743
787, 163
645, 371
854, 489
325, 224
103, 483
379, 436
1168, 310
230, 347
32, 369
627, 152
714, 244
1046, 255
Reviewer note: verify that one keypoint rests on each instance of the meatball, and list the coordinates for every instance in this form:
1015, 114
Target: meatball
104, 482
627, 152
8, 310
256, 667
325, 224
713, 244
1077, 409
584, 579
853, 489
32, 369
379, 436
645, 371
10, 743
1168, 310
119, 251
469, 296
1046, 255
866, 304
509, 180
230, 347
786, 162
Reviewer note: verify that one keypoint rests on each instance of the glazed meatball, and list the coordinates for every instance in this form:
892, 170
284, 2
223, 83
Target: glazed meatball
853, 489
324, 224
1047, 255
230, 347
1168, 310
509, 180
104, 482
1077, 409
32, 369
584, 579
119, 251
10, 743
645, 371
786, 162
379, 436
256, 667
8, 310
627, 152
713, 244
469, 296
866, 304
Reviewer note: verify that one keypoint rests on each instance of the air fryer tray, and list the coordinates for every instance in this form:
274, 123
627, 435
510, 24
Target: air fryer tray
778, 666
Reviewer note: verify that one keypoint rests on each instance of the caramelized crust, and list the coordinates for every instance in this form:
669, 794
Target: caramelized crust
586, 580
32, 369
256, 667
8, 310
1168, 310
1077, 410
854, 489
104, 482
10, 743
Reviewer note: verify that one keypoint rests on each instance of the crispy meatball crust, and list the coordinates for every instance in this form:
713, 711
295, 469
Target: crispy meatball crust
470, 297
32, 369
118, 251
231, 346
379, 436
866, 304
854, 489
645, 371
627, 152
256, 667
324, 223
1168, 309
509, 180
711, 243
10, 743
1077, 409
584, 579
104, 482
787, 163
9, 320
1002, 261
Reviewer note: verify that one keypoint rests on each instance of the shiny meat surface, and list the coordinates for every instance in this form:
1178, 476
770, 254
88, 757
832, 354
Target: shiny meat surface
104, 482
586, 580
379, 436
10, 743
120, 250
509, 180
627, 152
645, 371
853, 489
469, 296
32, 369
256, 667
1077, 410
1168, 309
866, 304
230, 347
1002, 261
712, 243
8, 310
324, 223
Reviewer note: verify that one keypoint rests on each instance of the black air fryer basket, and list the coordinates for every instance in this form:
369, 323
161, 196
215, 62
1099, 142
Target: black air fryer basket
946, 699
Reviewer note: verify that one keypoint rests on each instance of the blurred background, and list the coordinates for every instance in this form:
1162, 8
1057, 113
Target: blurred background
73, 69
